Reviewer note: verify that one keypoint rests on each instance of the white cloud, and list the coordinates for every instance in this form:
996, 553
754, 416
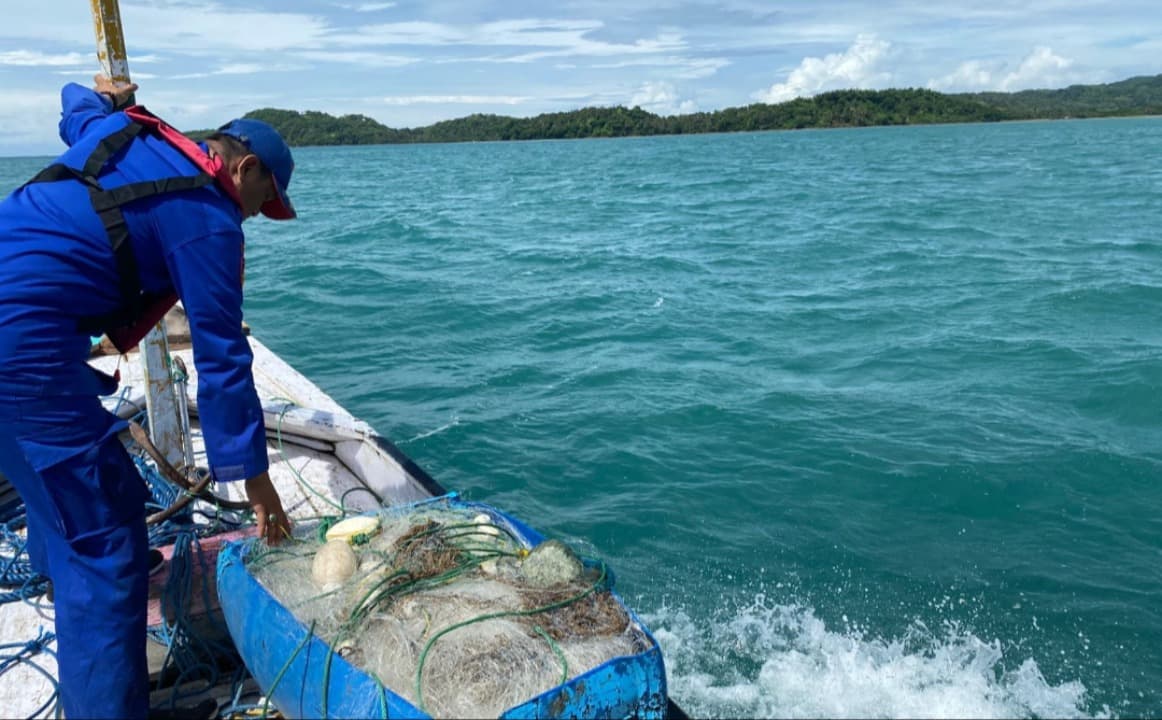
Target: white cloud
34, 58
661, 98
455, 100
696, 69
856, 67
365, 7
1041, 68
85, 77
366, 59
30, 122
520, 32
213, 29
554, 38
970, 75
680, 67
240, 68
668, 42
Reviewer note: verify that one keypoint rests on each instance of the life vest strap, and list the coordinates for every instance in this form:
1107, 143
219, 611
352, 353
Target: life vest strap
107, 203
57, 172
109, 146
125, 194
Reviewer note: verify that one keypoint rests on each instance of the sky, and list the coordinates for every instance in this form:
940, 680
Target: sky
410, 64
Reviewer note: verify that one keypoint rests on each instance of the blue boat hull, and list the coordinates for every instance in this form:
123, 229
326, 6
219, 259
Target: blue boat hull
304, 679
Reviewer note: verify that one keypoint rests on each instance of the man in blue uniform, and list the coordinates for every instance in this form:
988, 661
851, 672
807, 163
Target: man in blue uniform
127, 217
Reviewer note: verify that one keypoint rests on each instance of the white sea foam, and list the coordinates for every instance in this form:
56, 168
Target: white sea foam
447, 426
783, 661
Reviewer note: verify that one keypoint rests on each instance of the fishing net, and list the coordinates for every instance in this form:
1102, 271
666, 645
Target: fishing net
450, 609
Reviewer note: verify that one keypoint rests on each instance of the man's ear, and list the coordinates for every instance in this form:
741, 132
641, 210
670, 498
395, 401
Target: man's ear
247, 163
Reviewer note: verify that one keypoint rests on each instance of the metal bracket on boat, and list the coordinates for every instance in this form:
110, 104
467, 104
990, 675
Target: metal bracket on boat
196, 491
180, 383
171, 473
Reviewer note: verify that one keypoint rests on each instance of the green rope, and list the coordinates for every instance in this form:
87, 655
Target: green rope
382, 698
285, 667
384, 590
364, 606
298, 476
359, 488
415, 585
327, 523
556, 651
443, 528
307, 601
327, 676
493, 616
259, 559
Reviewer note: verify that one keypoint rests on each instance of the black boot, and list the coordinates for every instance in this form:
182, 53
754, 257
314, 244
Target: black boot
156, 560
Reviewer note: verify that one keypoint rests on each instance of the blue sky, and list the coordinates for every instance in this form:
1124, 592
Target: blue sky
409, 64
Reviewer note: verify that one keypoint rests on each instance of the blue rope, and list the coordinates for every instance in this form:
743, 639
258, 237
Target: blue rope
23, 656
192, 656
20, 581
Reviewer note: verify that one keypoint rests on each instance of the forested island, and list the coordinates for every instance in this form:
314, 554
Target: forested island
841, 108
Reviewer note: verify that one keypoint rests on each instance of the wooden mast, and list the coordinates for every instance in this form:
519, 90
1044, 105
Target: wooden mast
161, 406
110, 40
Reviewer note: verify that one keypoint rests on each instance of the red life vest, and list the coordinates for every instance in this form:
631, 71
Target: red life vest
139, 311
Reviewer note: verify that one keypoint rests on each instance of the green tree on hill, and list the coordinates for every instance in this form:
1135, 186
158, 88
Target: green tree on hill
840, 108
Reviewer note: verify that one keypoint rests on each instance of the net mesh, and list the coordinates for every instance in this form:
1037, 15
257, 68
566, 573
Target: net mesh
451, 611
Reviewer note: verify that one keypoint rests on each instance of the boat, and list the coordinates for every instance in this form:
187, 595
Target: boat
324, 463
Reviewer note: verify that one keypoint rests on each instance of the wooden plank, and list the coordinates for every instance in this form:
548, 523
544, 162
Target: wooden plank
160, 404
193, 693
110, 40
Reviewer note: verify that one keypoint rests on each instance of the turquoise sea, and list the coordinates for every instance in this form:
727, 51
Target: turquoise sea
868, 422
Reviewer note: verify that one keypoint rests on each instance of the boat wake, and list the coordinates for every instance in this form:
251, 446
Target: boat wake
782, 661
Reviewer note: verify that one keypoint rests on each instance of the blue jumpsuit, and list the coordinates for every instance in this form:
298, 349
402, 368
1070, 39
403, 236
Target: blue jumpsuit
58, 445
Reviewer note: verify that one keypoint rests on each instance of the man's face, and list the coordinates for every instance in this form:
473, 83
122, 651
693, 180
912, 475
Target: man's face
255, 186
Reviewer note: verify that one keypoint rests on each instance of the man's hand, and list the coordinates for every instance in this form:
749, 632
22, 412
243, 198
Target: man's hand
121, 95
273, 524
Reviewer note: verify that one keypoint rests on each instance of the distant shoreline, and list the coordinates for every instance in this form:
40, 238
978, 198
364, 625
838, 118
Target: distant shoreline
1135, 97
630, 137
1139, 97
1158, 116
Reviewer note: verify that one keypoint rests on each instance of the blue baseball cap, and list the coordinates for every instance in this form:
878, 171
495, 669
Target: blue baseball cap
265, 142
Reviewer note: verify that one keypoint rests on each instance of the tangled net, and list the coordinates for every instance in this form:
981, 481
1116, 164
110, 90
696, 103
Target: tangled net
450, 609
